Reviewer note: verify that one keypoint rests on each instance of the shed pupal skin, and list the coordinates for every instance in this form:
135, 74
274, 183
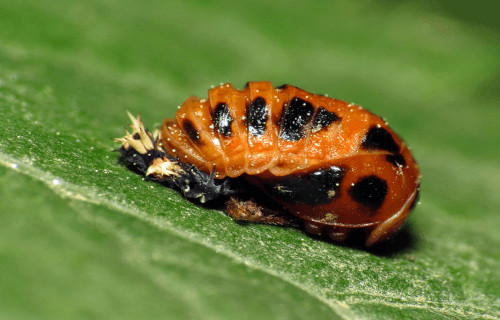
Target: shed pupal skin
142, 152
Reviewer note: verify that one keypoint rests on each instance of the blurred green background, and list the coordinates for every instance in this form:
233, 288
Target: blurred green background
81, 237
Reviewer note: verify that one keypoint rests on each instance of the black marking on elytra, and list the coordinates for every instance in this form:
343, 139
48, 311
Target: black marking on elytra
295, 118
379, 139
222, 120
369, 191
136, 136
323, 119
417, 197
317, 187
257, 117
191, 131
286, 86
396, 159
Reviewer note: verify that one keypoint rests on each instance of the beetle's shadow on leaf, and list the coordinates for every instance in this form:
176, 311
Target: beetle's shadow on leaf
406, 240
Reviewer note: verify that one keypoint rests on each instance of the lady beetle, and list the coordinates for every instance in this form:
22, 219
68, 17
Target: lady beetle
330, 164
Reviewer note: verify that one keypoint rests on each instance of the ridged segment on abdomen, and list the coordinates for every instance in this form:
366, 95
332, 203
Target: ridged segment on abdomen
281, 130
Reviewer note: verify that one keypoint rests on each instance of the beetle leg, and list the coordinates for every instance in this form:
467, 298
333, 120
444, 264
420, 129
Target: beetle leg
314, 228
338, 234
250, 211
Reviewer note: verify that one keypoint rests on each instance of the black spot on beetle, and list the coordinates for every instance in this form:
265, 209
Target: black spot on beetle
282, 87
191, 131
379, 139
247, 84
318, 187
136, 136
295, 118
323, 119
396, 159
257, 117
369, 191
222, 120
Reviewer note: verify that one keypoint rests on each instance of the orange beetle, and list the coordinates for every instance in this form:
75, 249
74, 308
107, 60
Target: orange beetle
334, 165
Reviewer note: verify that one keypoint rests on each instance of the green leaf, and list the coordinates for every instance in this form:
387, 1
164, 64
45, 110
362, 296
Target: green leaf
83, 237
